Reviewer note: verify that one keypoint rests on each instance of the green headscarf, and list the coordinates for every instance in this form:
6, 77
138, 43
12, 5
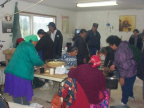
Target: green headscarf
31, 38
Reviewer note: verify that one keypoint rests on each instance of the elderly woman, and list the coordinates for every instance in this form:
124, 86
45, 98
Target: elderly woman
20, 71
92, 81
18, 41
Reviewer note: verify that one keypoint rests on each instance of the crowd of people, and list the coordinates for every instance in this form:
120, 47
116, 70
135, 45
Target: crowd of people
82, 61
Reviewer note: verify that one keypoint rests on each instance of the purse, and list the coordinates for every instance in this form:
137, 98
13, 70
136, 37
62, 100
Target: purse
56, 102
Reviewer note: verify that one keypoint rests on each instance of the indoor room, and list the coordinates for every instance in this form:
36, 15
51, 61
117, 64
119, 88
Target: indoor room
64, 53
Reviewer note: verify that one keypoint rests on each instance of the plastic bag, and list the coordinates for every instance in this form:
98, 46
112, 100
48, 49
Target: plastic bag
60, 70
56, 102
36, 105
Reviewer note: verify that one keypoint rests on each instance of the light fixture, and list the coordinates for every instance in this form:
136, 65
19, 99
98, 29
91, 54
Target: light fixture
100, 3
3, 2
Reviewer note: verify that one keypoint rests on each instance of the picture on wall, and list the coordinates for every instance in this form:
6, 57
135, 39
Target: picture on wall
65, 24
127, 23
7, 23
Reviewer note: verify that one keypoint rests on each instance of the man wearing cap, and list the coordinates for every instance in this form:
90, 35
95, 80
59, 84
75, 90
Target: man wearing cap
93, 39
57, 38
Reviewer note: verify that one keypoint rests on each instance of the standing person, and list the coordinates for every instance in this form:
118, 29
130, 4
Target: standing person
45, 45
18, 41
20, 71
57, 38
80, 43
136, 39
46, 50
93, 39
124, 62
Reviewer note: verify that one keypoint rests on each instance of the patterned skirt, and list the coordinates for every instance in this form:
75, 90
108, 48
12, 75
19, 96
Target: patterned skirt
104, 103
18, 87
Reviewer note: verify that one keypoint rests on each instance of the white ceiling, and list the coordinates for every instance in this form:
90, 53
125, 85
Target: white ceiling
71, 4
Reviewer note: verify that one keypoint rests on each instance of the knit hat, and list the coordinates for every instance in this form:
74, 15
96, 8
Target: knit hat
95, 60
31, 38
19, 40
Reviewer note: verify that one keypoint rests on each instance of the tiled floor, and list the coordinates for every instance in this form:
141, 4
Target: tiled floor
42, 97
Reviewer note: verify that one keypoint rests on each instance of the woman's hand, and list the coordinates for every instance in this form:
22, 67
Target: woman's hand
84, 60
67, 106
112, 68
106, 69
122, 82
44, 66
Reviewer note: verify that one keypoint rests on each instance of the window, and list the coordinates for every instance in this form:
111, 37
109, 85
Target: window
30, 23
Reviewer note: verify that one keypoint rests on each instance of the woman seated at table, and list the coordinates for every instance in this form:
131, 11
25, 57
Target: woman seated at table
70, 57
92, 80
20, 71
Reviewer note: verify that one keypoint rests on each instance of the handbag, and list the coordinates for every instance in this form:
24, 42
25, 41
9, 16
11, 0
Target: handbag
56, 102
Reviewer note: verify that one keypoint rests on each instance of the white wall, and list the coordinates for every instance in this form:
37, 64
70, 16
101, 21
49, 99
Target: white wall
86, 19
9, 9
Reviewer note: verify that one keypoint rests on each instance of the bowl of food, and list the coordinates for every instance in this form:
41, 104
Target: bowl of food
53, 63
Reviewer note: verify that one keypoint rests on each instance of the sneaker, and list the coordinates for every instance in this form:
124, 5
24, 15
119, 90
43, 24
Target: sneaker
45, 87
51, 82
131, 98
122, 104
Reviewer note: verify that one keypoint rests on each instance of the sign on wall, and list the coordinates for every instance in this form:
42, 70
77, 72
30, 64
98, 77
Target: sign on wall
65, 24
7, 22
127, 23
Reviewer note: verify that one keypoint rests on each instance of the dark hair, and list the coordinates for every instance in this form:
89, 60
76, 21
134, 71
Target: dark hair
104, 50
52, 24
16, 44
95, 25
136, 30
83, 31
41, 31
72, 48
113, 40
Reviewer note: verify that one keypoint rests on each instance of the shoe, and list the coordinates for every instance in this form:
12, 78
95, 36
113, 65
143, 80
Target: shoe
45, 87
122, 104
51, 82
131, 98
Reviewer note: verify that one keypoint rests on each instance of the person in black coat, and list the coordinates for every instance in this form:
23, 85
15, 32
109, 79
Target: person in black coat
57, 38
93, 39
136, 39
45, 46
83, 52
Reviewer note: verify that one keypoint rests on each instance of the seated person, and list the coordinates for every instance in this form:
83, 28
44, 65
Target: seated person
92, 81
73, 95
70, 57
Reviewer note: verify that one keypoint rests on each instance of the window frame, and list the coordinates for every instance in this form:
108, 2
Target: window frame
31, 16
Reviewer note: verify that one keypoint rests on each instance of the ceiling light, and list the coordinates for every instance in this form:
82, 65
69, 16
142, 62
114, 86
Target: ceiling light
92, 4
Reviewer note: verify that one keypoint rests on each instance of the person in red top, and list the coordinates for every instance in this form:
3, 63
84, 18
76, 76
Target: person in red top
92, 81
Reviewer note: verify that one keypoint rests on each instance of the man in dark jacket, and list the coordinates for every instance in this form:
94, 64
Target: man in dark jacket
80, 43
93, 39
136, 39
57, 38
45, 46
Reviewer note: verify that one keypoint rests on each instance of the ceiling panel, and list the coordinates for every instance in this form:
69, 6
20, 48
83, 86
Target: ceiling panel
71, 4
